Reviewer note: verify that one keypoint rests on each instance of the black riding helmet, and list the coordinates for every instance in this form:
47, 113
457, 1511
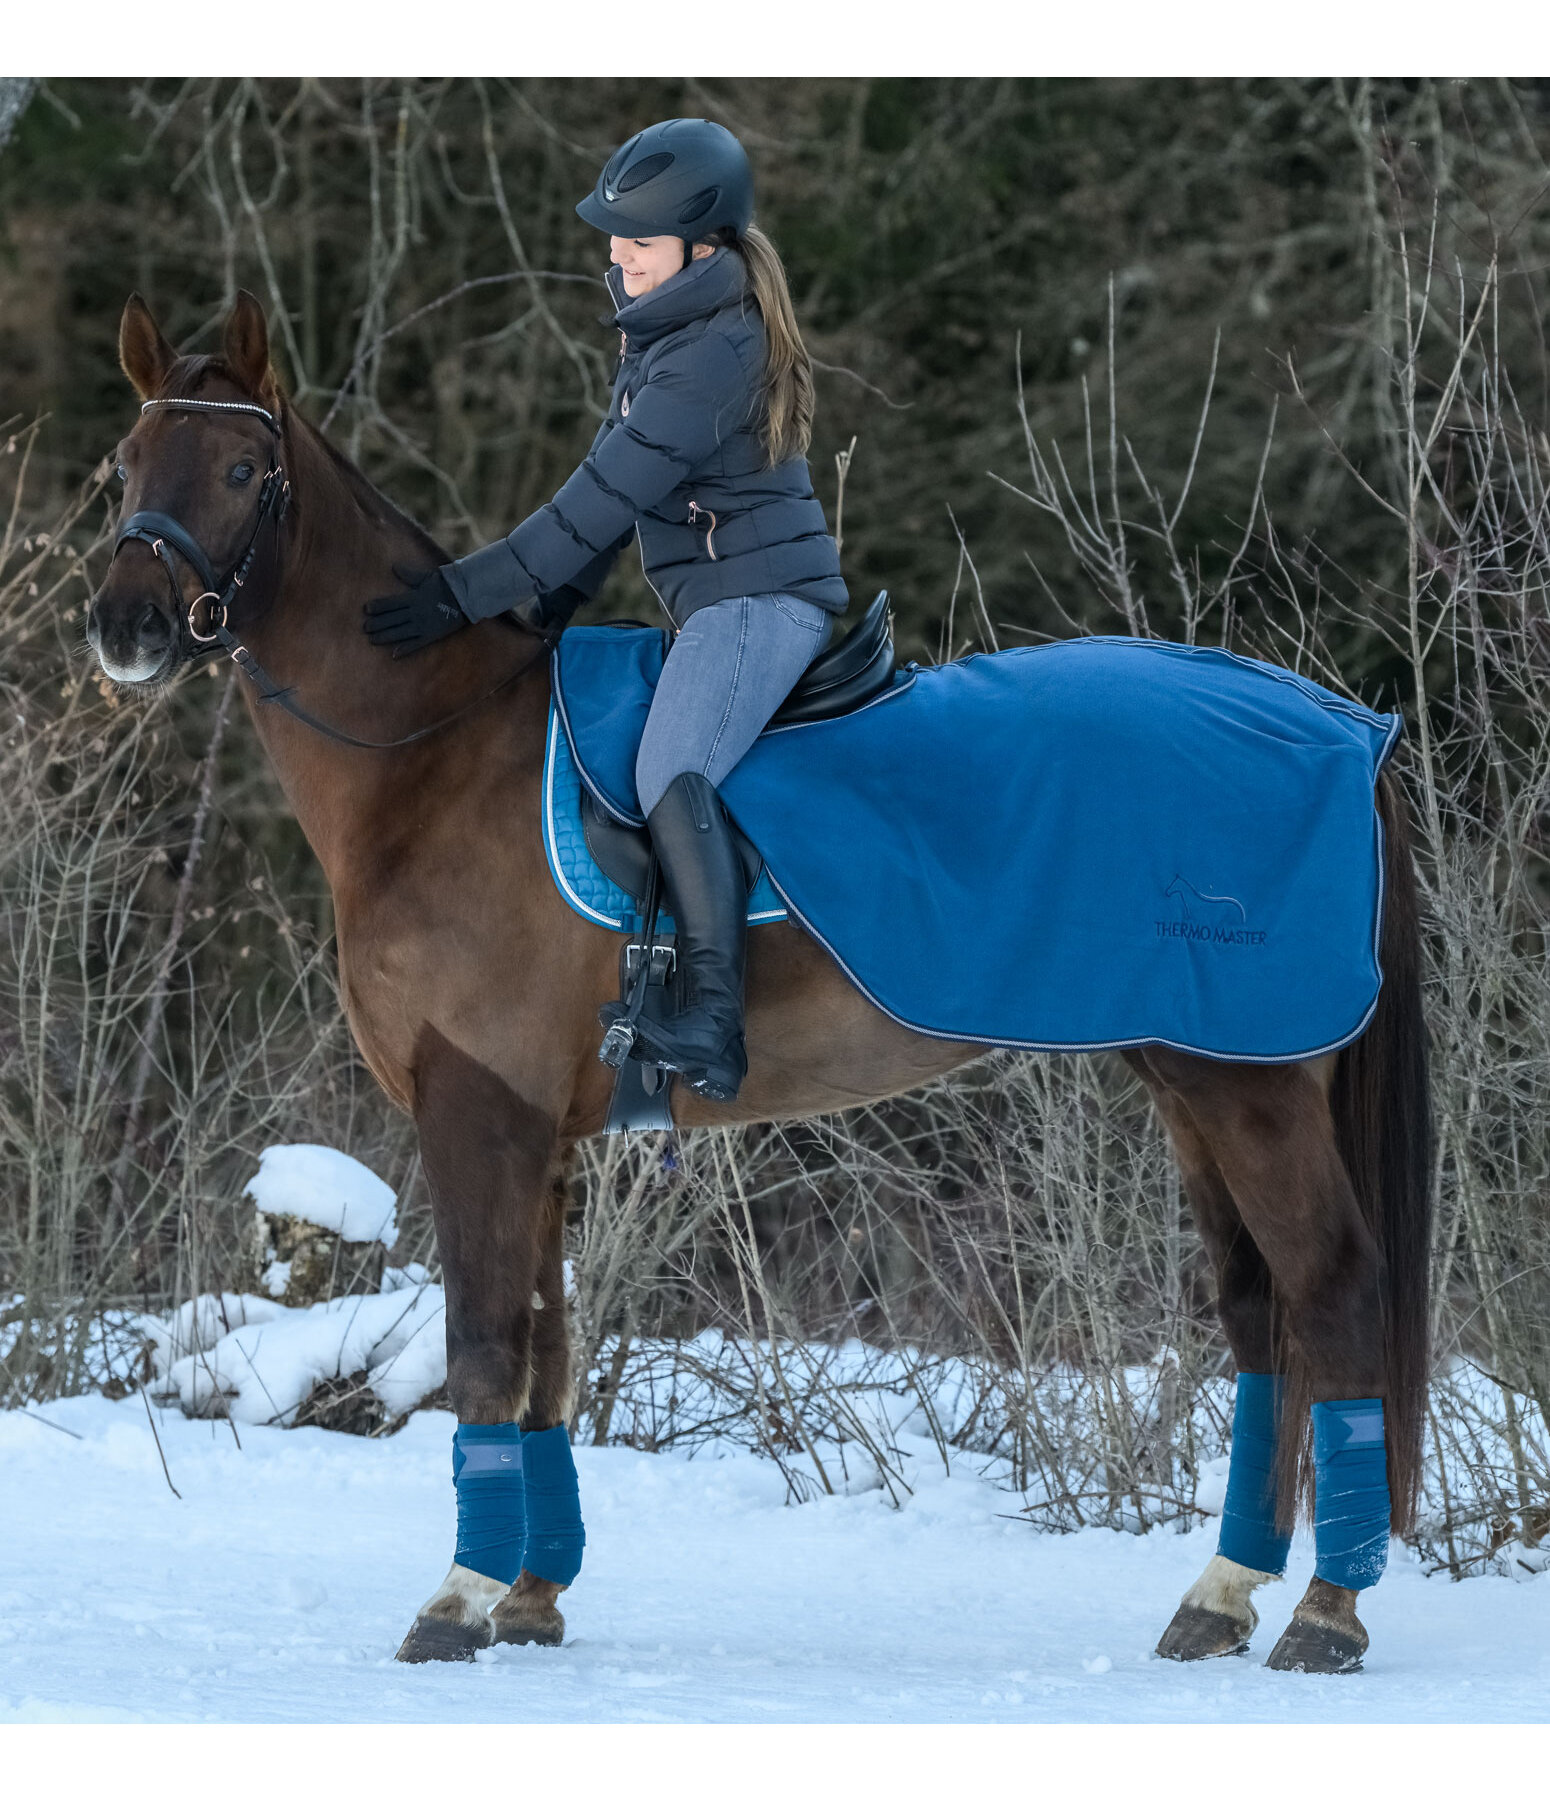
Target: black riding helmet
681, 178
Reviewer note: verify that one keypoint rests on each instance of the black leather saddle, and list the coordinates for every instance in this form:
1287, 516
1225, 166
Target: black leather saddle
843, 677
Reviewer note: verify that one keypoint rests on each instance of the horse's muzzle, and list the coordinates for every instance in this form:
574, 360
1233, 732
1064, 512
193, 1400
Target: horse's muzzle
132, 633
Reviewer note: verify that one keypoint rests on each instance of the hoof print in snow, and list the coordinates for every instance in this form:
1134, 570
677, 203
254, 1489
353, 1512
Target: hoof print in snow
443, 1640
528, 1614
1196, 1633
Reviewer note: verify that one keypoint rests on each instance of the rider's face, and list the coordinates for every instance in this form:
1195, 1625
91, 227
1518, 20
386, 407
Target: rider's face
647, 262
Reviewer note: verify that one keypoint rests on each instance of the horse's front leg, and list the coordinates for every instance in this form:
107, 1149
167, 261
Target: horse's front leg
487, 1154
528, 1614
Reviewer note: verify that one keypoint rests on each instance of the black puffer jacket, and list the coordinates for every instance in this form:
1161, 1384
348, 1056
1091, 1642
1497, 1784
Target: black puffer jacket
678, 457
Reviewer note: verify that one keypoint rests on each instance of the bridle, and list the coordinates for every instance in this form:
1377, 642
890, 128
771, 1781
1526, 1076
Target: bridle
164, 533
201, 636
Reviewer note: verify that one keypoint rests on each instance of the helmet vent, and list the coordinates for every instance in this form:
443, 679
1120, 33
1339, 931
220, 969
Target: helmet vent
643, 171
698, 206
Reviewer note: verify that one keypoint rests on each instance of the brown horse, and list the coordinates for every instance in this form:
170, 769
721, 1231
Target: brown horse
473, 990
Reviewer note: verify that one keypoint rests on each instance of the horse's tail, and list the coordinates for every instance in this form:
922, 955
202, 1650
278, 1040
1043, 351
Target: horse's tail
1381, 1101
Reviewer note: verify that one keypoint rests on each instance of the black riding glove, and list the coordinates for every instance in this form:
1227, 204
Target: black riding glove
424, 611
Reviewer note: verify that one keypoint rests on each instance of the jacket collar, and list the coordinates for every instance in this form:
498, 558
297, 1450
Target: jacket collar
693, 293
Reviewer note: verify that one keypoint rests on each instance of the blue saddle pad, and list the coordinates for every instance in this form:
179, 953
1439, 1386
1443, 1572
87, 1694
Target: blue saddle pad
577, 876
1086, 845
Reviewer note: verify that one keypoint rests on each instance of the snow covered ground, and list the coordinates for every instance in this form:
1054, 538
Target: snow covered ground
279, 1586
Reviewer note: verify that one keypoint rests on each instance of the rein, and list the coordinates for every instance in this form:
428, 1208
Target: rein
198, 638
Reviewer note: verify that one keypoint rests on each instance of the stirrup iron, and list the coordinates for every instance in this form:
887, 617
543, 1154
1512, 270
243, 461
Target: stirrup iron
644, 960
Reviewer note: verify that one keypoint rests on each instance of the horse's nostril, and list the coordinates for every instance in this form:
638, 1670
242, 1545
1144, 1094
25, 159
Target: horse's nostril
151, 627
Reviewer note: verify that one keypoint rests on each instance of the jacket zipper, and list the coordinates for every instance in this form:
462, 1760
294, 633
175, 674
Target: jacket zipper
651, 584
695, 509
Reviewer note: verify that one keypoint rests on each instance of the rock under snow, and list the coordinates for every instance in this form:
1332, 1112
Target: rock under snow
326, 1188
260, 1372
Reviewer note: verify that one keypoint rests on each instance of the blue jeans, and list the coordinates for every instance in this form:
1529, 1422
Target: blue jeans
725, 675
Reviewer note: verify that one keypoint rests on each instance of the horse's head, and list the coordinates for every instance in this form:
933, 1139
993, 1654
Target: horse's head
201, 474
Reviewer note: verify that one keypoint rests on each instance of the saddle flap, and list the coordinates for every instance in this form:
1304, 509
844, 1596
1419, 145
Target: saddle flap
623, 852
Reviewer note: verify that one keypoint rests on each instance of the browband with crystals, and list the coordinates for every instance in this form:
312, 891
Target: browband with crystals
243, 406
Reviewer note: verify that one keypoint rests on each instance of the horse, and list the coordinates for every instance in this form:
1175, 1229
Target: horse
473, 991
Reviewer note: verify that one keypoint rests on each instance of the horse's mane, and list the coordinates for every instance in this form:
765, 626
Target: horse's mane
191, 373
371, 498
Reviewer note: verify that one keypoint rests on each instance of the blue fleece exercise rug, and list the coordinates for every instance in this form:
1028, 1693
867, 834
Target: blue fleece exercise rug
1090, 844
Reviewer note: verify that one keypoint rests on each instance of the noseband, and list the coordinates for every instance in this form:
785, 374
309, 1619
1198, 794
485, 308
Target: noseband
199, 637
164, 533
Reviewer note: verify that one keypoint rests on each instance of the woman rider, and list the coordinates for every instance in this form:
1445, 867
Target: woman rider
703, 454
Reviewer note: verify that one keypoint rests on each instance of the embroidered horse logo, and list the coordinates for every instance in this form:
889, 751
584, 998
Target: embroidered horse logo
1185, 891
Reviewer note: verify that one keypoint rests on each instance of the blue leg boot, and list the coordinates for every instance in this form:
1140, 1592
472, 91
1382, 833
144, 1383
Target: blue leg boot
1350, 1534
1217, 1616
491, 1533
555, 1539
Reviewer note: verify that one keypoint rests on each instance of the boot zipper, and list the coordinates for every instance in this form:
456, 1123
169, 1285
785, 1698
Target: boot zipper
695, 509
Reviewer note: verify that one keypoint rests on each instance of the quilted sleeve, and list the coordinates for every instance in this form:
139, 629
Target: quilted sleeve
695, 394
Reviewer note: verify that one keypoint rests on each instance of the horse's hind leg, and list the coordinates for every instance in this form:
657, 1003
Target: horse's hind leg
486, 1155
1270, 1133
1217, 1616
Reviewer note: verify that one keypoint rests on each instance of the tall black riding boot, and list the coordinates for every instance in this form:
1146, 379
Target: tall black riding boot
708, 896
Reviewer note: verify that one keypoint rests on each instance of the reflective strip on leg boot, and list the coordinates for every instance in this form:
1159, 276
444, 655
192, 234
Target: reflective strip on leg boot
491, 1510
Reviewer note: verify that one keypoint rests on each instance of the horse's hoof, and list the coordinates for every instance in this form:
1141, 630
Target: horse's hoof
528, 1614
1325, 1636
1196, 1633
444, 1640
1310, 1648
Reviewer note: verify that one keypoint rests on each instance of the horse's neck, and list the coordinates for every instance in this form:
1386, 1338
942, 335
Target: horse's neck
340, 554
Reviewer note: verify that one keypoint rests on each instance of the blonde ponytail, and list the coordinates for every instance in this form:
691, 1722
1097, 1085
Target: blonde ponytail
788, 369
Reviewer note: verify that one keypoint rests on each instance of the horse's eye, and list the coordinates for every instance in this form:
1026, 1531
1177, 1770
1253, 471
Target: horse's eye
243, 472
121, 472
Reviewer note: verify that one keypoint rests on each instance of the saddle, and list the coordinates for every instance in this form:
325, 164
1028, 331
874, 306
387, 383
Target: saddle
839, 680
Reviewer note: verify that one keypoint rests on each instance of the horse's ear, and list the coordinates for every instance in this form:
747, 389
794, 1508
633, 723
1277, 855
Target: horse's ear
247, 345
143, 353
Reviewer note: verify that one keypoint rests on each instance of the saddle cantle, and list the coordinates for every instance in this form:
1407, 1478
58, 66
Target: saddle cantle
847, 674
837, 681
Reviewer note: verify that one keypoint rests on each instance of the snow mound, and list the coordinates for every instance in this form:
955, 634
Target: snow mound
266, 1364
327, 1188
196, 1324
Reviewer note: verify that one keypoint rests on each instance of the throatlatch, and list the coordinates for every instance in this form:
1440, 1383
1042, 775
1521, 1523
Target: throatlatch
1249, 1536
1351, 1492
